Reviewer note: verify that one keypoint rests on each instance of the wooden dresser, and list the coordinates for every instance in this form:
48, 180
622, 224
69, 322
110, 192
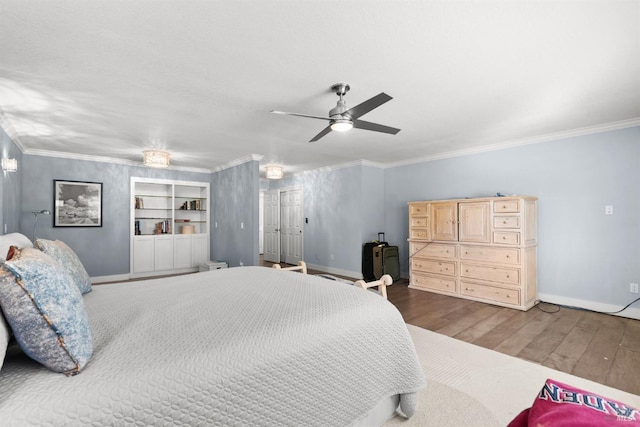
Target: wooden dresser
482, 249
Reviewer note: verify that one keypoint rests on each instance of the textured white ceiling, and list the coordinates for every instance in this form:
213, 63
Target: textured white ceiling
198, 78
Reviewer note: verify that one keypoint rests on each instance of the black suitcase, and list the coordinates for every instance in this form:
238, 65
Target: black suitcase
391, 262
372, 258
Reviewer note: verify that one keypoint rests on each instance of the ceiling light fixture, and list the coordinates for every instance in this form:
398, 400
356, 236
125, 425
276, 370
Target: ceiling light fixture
155, 158
9, 165
341, 125
274, 172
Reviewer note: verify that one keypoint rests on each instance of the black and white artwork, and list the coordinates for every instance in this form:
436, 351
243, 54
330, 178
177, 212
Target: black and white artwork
77, 204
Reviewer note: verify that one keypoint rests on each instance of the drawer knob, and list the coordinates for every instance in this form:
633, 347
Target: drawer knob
504, 207
504, 222
504, 237
507, 276
507, 256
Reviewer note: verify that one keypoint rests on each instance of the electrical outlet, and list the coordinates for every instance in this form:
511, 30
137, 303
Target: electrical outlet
608, 210
633, 288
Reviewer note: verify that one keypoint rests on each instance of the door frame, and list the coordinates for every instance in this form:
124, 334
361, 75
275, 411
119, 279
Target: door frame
302, 217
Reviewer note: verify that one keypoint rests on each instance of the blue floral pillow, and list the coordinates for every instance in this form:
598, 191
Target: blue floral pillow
62, 253
46, 312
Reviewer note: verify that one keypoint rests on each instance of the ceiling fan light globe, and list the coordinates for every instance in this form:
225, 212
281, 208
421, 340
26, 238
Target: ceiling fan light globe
341, 125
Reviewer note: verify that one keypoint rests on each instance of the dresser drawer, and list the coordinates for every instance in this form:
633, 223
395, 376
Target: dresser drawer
419, 233
506, 206
433, 250
418, 210
492, 293
490, 254
424, 281
492, 274
419, 222
506, 237
448, 268
506, 222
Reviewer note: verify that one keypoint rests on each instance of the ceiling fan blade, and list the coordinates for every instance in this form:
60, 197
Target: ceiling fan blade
321, 134
300, 115
368, 105
361, 124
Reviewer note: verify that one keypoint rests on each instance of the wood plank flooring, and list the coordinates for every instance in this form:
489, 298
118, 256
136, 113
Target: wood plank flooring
599, 347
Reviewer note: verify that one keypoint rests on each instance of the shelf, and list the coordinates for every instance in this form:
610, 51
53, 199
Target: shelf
156, 207
154, 218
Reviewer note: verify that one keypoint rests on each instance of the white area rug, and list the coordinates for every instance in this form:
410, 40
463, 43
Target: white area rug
474, 386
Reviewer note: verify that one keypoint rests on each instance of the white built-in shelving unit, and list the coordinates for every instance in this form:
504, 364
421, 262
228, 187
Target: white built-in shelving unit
169, 226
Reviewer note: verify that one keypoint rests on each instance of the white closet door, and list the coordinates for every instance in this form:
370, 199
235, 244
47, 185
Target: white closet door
272, 226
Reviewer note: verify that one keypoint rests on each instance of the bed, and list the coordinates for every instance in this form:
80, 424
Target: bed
238, 346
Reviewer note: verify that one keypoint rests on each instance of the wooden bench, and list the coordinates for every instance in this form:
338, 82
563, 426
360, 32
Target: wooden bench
302, 267
381, 283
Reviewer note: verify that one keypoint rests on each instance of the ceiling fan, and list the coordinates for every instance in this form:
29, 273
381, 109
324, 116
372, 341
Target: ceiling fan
341, 118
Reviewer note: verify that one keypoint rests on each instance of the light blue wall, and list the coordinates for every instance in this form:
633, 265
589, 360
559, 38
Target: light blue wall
235, 197
10, 184
345, 207
373, 205
582, 254
104, 250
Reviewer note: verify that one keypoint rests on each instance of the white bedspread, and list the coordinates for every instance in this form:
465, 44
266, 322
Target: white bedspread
240, 346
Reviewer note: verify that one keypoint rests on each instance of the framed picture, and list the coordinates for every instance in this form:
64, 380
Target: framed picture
77, 204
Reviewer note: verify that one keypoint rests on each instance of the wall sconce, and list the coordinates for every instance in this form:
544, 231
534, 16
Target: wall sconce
35, 222
155, 158
274, 172
9, 165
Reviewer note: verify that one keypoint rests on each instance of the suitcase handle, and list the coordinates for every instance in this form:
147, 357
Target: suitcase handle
381, 236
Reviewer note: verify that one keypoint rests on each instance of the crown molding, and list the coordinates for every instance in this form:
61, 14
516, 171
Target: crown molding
238, 162
113, 160
622, 124
330, 168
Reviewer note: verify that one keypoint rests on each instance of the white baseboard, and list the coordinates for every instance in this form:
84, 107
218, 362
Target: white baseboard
114, 278
331, 270
632, 312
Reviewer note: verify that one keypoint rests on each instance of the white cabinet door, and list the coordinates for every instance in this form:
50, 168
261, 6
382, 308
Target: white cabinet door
143, 254
163, 252
182, 251
200, 249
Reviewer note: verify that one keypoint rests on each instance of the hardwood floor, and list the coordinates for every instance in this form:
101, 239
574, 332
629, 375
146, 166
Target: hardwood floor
599, 347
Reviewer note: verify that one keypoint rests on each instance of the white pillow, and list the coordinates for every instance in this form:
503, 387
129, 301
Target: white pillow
13, 239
